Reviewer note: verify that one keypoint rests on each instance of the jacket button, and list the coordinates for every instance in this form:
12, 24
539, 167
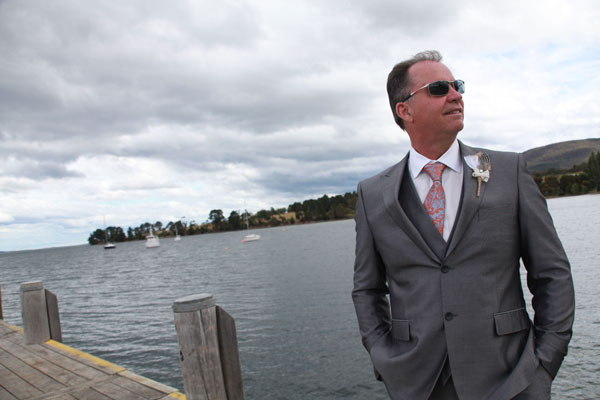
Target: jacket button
445, 269
449, 316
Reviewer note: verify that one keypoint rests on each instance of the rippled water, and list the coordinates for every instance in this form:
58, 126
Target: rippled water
289, 294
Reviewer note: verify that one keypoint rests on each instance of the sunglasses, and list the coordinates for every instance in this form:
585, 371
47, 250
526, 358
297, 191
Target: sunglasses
440, 88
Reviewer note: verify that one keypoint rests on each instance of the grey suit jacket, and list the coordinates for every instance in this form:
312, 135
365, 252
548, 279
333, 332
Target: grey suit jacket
417, 306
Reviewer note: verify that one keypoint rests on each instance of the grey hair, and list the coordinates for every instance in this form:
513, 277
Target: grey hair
398, 81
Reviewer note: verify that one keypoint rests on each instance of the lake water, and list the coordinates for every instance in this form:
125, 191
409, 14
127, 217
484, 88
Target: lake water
289, 294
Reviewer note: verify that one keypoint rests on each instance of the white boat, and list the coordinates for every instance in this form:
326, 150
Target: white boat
152, 241
177, 237
107, 245
250, 237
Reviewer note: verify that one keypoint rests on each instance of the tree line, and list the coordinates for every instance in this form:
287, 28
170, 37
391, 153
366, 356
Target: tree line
325, 208
581, 179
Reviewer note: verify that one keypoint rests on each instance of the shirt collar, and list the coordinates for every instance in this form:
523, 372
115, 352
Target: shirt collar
451, 158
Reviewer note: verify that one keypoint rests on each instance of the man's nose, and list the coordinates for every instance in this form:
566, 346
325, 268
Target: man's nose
453, 94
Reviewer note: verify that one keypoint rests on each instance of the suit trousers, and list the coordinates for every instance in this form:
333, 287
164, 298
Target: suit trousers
539, 389
444, 391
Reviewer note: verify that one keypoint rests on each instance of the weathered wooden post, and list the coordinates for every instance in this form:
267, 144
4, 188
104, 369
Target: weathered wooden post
53, 316
39, 309
208, 350
34, 312
230, 355
1, 313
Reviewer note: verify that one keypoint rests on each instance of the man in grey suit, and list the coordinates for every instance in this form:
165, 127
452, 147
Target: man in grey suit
437, 287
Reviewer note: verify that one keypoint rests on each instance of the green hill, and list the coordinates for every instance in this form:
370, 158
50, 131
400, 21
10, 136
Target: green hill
561, 156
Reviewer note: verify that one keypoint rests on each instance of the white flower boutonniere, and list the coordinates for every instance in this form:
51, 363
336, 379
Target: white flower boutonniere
481, 166
481, 174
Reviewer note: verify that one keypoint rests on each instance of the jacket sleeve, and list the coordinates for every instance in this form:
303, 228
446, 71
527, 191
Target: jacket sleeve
370, 287
548, 274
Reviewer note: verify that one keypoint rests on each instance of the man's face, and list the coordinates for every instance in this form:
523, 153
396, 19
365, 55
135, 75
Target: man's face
434, 115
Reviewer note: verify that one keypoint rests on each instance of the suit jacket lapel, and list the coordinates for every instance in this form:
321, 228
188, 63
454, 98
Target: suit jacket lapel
391, 180
470, 202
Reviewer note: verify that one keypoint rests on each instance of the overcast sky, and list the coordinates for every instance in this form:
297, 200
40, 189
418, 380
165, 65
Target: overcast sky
144, 111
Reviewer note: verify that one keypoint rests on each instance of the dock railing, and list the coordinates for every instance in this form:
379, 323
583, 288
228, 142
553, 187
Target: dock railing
208, 348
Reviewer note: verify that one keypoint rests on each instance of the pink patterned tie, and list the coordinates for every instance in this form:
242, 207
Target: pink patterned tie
435, 202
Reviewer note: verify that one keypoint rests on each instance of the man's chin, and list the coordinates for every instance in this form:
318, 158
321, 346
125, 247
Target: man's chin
458, 127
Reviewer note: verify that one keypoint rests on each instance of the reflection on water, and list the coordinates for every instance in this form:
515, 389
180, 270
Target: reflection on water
290, 296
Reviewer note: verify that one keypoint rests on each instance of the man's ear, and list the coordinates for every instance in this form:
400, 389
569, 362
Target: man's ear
404, 111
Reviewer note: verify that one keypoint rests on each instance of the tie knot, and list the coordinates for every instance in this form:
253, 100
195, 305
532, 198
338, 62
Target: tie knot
434, 170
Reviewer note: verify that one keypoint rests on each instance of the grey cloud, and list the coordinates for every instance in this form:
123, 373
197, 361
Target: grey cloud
93, 75
39, 170
391, 21
90, 74
136, 186
100, 63
412, 18
301, 186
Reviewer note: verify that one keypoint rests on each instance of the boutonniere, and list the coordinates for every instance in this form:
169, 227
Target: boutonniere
481, 165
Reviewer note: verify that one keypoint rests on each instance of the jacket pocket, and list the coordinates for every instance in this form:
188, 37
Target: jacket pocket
508, 322
401, 329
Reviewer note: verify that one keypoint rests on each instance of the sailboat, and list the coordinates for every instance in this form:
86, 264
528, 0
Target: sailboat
250, 237
177, 237
107, 245
151, 240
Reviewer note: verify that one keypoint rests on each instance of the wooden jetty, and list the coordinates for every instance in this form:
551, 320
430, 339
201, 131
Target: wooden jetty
53, 371
34, 364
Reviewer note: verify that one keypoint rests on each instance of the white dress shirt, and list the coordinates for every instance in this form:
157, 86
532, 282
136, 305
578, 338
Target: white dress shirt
452, 180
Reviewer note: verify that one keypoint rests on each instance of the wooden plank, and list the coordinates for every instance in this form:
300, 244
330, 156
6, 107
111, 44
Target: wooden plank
85, 358
213, 370
80, 366
7, 338
17, 386
1, 312
230, 357
191, 342
8, 329
26, 372
4, 394
116, 392
53, 316
54, 370
4, 332
61, 396
162, 388
138, 388
88, 394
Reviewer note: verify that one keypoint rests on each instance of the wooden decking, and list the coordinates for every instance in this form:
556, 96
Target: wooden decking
54, 371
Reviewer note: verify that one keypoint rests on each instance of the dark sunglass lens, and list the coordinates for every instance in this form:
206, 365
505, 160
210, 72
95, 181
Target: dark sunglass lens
459, 86
439, 88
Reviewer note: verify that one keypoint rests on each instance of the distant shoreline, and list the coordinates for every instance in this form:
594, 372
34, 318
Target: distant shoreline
258, 227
